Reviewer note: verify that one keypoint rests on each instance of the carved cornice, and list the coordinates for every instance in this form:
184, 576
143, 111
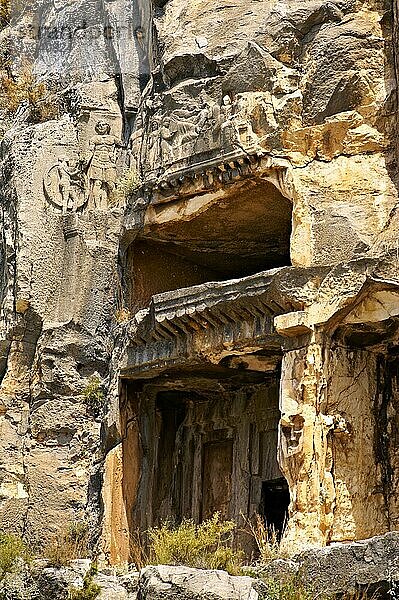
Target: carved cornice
211, 175
207, 319
207, 322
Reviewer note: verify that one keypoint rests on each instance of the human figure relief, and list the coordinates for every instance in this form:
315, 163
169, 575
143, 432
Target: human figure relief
227, 129
167, 133
102, 166
153, 145
68, 193
64, 186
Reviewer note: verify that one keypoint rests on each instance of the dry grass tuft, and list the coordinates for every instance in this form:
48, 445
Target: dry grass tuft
138, 552
69, 544
267, 540
5, 10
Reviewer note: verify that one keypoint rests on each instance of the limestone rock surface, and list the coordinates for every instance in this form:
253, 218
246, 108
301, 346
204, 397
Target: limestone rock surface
182, 583
216, 194
371, 564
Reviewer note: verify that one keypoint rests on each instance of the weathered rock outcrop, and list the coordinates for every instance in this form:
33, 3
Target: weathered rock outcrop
199, 274
182, 583
370, 565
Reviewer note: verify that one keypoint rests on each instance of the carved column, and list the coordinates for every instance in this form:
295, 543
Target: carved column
304, 448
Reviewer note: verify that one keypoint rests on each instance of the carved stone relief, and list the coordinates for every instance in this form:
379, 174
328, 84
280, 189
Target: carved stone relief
64, 184
101, 172
205, 128
72, 184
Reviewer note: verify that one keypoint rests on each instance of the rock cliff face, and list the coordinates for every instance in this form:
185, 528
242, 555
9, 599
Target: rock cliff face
199, 274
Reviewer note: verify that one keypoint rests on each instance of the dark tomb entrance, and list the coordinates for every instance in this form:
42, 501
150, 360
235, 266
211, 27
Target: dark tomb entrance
170, 414
204, 441
274, 504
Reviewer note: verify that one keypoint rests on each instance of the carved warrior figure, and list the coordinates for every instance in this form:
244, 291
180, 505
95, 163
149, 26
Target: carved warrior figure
174, 133
101, 172
66, 185
68, 194
63, 185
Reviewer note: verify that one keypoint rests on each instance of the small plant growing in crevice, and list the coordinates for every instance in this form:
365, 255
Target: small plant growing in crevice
90, 590
94, 396
122, 315
204, 546
267, 539
69, 544
127, 185
12, 551
5, 10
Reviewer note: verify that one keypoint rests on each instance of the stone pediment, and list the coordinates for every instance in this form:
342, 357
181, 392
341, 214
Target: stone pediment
208, 322
369, 305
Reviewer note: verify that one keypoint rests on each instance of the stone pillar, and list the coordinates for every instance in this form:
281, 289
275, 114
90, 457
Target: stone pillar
304, 452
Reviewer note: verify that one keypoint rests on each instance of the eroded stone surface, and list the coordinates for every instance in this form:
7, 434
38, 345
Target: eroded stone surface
217, 196
370, 564
188, 584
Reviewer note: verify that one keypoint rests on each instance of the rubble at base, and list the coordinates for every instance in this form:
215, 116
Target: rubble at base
370, 566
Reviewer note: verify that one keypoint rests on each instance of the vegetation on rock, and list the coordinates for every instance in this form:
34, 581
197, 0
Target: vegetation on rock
90, 590
12, 551
24, 90
15, 577
287, 590
94, 396
5, 8
128, 184
202, 546
69, 545
267, 540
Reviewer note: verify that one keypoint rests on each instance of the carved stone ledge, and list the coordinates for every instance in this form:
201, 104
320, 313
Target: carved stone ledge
206, 322
266, 311
211, 175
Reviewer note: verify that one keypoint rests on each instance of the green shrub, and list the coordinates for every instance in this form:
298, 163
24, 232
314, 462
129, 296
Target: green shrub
90, 590
200, 546
130, 183
292, 589
12, 551
94, 396
127, 185
41, 103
